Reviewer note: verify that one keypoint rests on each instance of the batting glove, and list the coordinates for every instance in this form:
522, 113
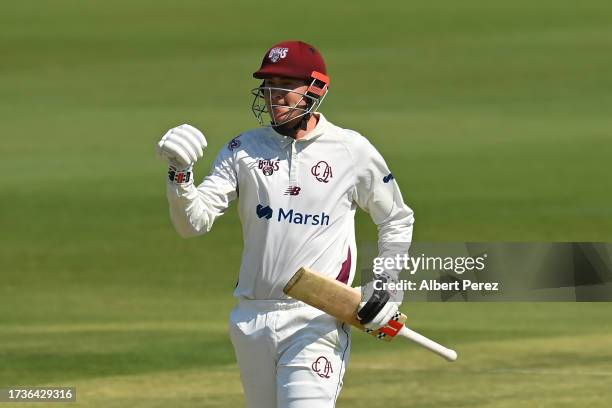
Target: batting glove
380, 307
182, 146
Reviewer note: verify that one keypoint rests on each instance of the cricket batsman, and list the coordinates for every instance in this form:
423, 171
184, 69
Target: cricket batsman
299, 180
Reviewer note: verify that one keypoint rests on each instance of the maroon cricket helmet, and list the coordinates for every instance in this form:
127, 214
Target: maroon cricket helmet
291, 59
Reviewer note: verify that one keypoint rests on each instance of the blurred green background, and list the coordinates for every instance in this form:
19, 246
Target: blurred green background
494, 117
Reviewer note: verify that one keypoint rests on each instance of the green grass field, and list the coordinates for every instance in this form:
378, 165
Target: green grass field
494, 117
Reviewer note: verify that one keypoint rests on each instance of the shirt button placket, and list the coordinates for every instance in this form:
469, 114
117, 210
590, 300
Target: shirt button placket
293, 173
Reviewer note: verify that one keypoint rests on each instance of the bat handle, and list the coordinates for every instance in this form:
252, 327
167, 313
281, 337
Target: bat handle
448, 354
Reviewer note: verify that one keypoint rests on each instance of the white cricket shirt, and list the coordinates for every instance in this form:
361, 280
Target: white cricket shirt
297, 202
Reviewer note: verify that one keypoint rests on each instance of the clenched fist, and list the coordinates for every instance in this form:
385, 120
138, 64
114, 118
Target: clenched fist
182, 146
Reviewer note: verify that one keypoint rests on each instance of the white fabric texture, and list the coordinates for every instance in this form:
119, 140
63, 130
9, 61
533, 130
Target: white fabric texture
290, 355
297, 204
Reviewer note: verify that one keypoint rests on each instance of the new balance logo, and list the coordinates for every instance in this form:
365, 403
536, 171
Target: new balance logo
263, 212
293, 190
388, 178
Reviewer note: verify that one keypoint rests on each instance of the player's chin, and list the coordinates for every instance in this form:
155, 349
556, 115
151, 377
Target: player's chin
285, 116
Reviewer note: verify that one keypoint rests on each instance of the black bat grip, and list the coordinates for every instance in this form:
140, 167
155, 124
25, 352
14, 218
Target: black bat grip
374, 305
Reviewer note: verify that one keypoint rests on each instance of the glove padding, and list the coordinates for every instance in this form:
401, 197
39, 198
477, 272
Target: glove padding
182, 146
380, 319
380, 307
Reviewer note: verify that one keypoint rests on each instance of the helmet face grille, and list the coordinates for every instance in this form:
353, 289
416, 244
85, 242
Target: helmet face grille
263, 103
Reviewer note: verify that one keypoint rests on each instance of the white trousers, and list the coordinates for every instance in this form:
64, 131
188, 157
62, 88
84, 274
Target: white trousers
290, 355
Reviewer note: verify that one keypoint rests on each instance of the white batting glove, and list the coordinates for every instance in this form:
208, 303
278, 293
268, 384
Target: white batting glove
182, 146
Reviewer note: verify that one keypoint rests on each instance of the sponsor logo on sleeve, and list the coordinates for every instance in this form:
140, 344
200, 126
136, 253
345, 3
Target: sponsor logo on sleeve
388, 178
233, 144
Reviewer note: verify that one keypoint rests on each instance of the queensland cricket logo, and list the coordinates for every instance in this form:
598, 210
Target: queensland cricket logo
268, 167
277, 53
322, 171
322, 367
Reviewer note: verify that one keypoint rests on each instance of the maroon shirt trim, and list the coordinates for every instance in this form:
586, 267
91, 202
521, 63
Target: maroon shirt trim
345, 270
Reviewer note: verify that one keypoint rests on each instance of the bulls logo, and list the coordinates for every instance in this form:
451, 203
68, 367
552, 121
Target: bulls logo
233, 144
268, 167
277, 53
322, 171
322, 367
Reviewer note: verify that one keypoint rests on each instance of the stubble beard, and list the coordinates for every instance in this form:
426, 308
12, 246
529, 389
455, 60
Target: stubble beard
291, 127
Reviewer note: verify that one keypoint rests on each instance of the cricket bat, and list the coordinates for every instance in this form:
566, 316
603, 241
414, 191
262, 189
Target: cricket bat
342, 302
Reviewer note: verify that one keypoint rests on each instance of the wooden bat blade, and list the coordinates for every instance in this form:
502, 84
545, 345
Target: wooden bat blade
342, 302
333, 297
326, 294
